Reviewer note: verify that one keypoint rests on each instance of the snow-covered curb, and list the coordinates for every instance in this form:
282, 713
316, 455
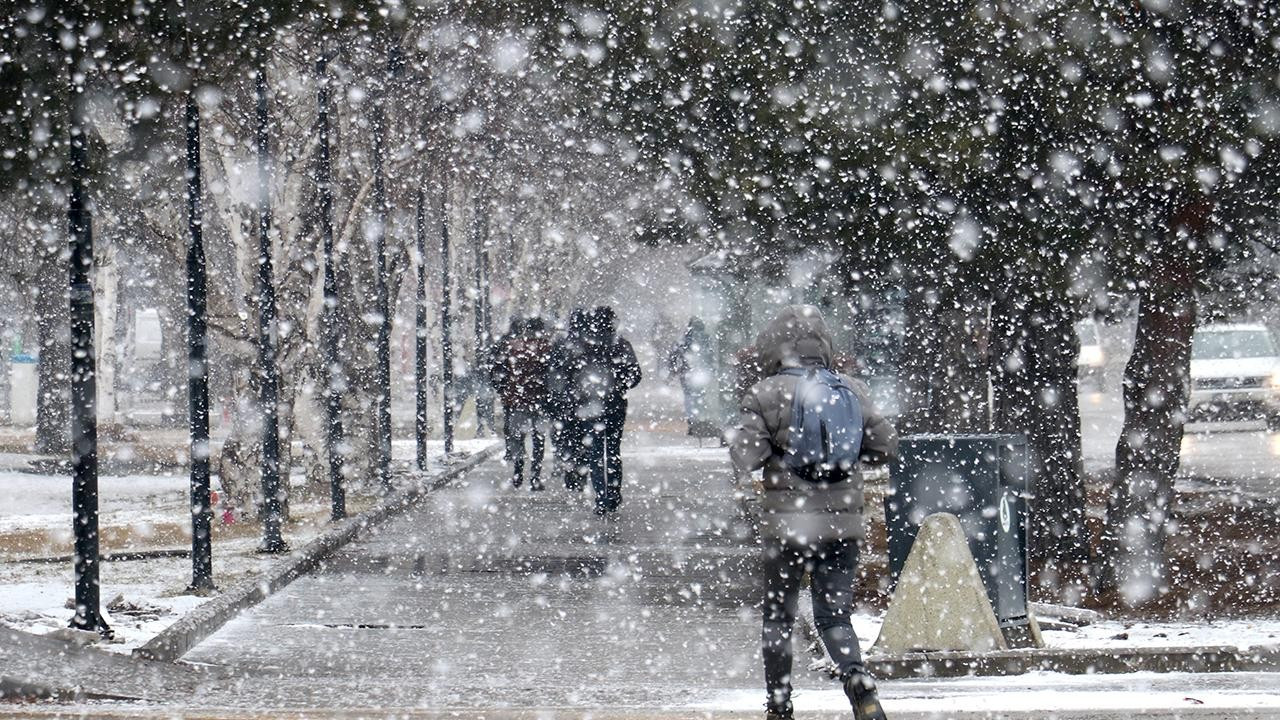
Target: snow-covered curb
181, 636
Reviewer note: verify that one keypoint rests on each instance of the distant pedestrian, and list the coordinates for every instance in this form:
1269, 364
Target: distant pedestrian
692, 360
607, 371
567, 356
519, 374
810, 430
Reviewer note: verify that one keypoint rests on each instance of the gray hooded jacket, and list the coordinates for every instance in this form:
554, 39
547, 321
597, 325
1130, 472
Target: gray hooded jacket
793, 509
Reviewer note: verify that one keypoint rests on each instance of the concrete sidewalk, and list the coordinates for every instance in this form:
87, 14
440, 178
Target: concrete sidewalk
488, 596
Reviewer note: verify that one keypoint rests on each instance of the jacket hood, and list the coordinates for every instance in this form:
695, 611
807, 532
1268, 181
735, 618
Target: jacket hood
798, 336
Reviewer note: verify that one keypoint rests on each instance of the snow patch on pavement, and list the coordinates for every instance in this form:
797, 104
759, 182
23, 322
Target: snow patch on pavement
1048, 692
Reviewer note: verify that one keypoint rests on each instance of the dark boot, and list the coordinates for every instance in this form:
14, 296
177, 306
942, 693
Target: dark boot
784, 712
861, 691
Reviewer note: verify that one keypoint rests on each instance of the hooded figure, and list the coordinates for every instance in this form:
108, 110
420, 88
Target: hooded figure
806, 525
608, 371
794, 509
567, 354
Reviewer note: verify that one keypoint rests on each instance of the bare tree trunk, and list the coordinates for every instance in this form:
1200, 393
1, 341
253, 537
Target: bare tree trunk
919, 348
1035, 392
960, 371
944, 372
1156, 387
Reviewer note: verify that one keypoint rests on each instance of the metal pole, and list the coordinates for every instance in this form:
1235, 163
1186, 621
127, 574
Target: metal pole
446, 343
334, 371
421, 426
486, 305
269, 380
84, 391
197, 362
478, 370
381, 303
487, 286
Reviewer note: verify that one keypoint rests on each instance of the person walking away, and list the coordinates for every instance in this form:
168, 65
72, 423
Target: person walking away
520, 377
691, 360
608, 370
566, 358
811, 496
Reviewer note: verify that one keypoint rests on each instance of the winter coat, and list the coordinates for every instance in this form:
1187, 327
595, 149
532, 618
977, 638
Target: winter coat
607, 401
793, 509
565, 359
520, 371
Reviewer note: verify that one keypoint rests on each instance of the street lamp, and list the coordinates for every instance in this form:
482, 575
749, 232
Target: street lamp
269, 374
84, 420
334, 371
422, 426
197, 361
446, 342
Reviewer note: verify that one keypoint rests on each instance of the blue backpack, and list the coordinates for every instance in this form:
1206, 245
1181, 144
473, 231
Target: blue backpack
825, 439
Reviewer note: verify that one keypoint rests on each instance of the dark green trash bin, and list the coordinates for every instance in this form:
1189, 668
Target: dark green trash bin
981, 479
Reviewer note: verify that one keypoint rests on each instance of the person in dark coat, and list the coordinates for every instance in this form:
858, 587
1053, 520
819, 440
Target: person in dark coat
608, 370
566, 358
519, 375
806, 527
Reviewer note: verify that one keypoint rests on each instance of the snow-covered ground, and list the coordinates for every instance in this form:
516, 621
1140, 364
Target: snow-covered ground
140, 597
1050, 693
1128, 635
31, 501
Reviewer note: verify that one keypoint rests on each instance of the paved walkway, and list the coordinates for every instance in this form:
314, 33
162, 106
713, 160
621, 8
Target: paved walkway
488, 602
488, 596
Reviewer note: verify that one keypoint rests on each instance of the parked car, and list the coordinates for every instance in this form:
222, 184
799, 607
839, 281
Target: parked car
1092, 361
1235, 374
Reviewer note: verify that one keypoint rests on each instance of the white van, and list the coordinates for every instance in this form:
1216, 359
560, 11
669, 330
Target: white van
1235, 373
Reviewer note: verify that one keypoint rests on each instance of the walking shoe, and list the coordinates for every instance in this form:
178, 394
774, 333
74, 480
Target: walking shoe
782, 713
861, 691
535, 484
516, 480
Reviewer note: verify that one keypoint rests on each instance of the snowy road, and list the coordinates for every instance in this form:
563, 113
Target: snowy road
1242, 455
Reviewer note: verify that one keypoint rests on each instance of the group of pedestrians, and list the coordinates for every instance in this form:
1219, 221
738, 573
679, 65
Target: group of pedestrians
804, 430
572, 384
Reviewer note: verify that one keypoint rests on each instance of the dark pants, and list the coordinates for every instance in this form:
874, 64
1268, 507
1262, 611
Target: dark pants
566, 434
601, 460
517, 425
831, 568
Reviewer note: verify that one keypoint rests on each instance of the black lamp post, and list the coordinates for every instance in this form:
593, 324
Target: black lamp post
422, 427
334, 371
268, 373
84, 420
446, 342
197, 361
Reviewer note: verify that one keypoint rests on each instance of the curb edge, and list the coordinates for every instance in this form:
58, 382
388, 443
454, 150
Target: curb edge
189, 630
